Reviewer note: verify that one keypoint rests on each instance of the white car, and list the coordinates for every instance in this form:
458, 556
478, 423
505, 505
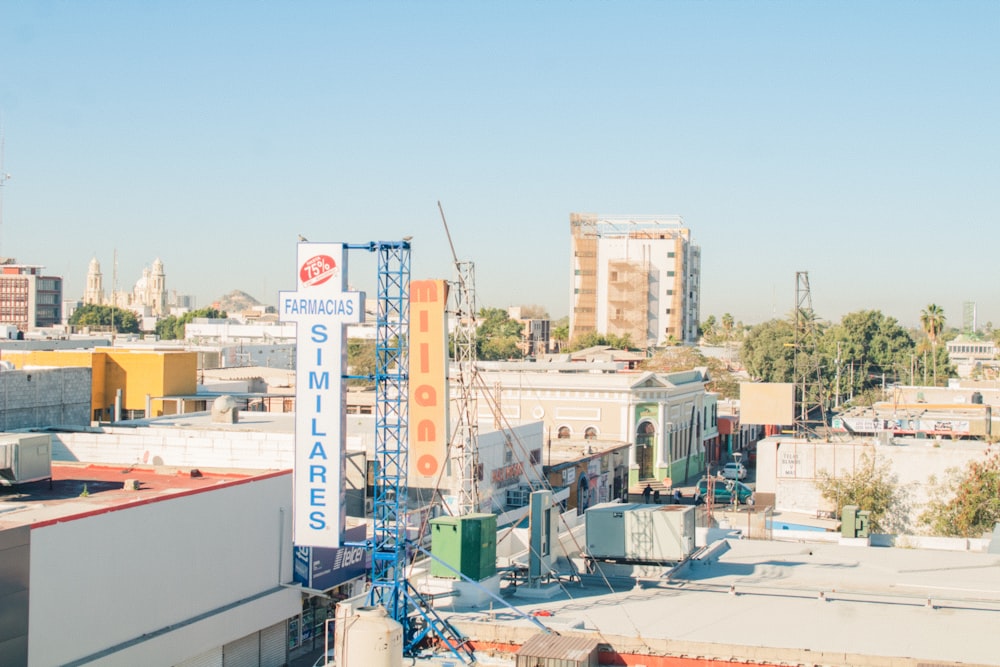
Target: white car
323, 660
734, 470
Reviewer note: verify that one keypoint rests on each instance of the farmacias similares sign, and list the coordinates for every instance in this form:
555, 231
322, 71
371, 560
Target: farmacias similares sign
321, 308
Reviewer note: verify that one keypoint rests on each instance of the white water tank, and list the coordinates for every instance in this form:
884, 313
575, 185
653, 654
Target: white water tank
372, 639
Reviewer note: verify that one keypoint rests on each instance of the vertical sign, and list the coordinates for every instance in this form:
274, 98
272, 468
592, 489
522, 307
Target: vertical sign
321, 308
428, 378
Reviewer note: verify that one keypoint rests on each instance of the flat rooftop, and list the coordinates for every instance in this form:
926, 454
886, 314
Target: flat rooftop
267, 422
80, 489
781, 602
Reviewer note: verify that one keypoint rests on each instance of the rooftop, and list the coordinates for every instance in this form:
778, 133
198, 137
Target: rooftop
808, 603
80, 489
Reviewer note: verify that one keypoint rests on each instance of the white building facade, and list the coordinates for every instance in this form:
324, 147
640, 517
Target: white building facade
636, 275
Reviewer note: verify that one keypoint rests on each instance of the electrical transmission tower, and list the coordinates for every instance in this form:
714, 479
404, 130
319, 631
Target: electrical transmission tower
465, 438
811, 413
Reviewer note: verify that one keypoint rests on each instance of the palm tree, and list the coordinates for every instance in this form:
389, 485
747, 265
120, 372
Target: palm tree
932, 322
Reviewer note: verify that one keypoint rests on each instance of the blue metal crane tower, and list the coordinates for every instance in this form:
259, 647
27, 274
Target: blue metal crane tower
388, 545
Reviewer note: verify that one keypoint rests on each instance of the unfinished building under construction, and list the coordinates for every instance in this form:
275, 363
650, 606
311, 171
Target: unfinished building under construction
635, 275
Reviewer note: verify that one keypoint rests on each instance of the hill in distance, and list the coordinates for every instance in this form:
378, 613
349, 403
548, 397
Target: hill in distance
236, 301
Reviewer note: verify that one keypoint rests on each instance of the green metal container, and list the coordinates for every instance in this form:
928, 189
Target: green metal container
465, 543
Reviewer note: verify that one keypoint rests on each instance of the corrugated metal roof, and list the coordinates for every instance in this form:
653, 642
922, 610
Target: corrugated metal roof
578, 649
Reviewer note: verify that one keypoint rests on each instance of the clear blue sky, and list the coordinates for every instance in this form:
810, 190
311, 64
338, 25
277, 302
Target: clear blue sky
858, 141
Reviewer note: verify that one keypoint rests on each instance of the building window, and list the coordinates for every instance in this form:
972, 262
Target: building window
670, 274
563, 432
590, 433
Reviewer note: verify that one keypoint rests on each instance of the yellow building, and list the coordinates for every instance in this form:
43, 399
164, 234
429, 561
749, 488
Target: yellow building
144, 377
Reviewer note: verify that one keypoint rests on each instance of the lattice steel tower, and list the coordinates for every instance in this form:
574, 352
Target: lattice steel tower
811, 413
464, 444
391, 429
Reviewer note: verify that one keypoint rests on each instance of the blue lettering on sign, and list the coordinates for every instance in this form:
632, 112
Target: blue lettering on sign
342, 307
317, 520
319, 335
319, 380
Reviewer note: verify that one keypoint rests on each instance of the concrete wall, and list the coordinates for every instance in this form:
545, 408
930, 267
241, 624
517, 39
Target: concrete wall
789, 468
183, 448
15, 552
39, 398
164, 581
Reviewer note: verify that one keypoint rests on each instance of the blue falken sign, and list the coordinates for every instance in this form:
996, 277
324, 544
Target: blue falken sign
322, 568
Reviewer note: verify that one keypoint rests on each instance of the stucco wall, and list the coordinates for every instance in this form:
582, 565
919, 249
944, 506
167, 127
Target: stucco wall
154, 580
789, 468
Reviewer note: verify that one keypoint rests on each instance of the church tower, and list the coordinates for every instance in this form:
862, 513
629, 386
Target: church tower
95, 284
158, 289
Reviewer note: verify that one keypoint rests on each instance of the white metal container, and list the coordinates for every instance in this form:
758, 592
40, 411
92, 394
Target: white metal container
371, 639
25, 458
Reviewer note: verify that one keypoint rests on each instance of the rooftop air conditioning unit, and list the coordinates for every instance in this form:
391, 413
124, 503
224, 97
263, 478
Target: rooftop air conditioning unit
25, 458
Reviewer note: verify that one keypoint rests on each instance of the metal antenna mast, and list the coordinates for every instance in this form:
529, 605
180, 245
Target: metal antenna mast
466, 435
806, 361
4, 176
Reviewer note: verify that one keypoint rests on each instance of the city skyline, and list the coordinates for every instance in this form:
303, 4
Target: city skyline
858, 144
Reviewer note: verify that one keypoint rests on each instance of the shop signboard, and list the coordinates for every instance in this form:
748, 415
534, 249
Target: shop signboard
321, 308
321, 568
428, 379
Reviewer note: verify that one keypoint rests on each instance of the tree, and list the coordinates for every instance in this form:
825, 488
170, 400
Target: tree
727, 326
864, 350
175, 328
105, 317
932, 322
968, 503
498, 336
708, 330
361, 361
534, 312
672, 360
559, 335
872, 487
768, 353
594, 339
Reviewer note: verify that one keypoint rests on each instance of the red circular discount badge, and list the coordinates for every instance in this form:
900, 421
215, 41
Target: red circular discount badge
317, 270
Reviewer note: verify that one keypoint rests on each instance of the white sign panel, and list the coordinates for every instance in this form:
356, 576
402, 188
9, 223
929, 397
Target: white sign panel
321, 308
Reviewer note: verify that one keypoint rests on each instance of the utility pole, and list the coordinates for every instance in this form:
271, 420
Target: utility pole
836, 400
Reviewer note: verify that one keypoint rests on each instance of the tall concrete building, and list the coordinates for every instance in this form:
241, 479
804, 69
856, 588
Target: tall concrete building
28, 298
635, 275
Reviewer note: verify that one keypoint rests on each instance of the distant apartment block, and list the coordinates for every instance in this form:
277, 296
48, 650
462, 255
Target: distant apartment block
28, 298
635, 275
974, 357
535, 334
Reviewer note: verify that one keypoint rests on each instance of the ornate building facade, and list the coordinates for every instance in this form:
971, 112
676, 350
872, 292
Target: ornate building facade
147, 297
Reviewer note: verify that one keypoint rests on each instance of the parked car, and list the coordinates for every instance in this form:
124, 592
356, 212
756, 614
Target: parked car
723, 491
325, 660
734, 470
